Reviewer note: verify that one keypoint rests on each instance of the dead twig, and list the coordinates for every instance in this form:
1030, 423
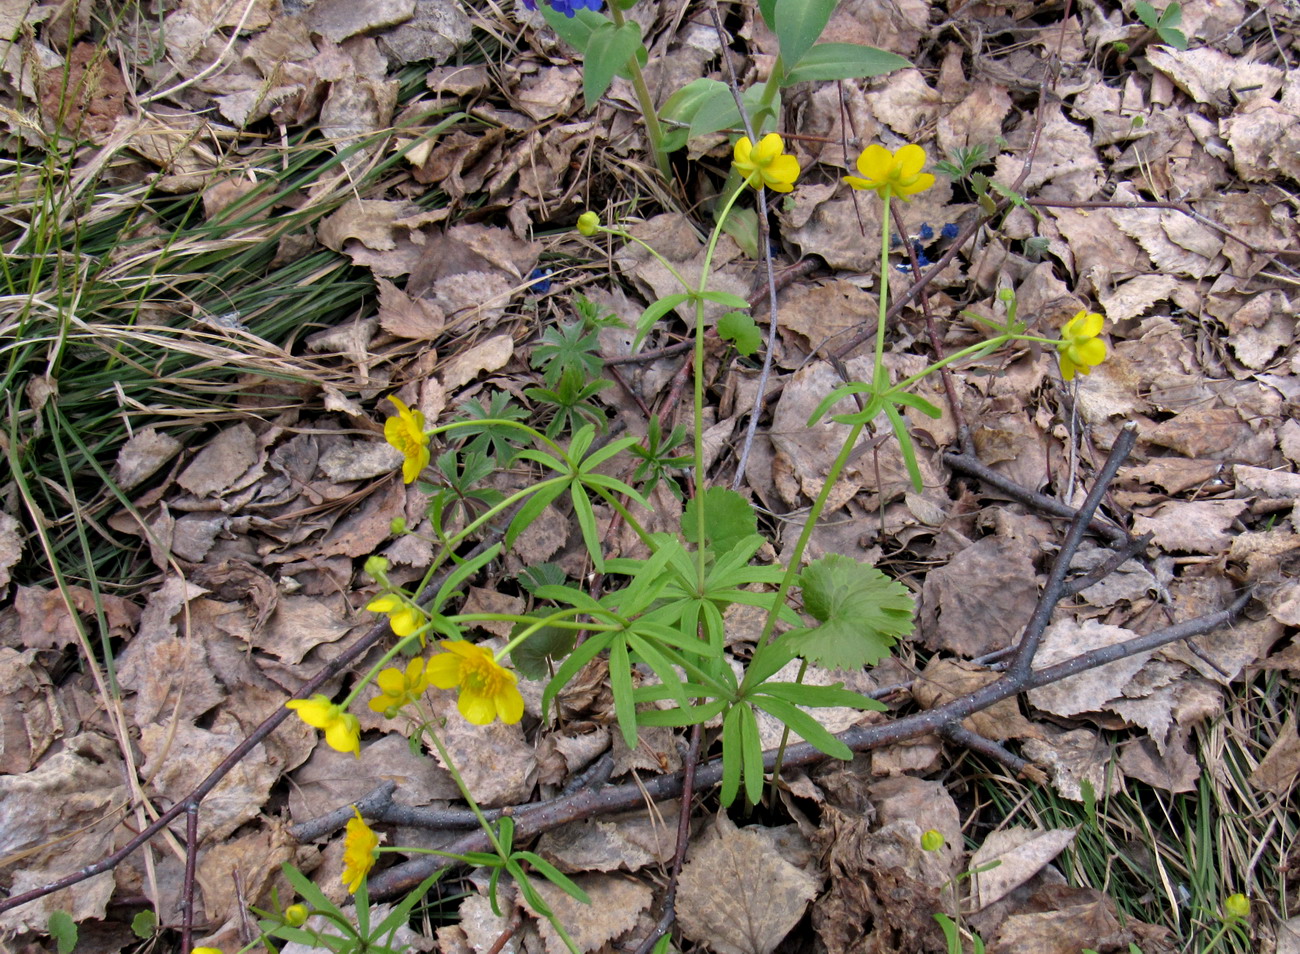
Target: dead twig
669, 915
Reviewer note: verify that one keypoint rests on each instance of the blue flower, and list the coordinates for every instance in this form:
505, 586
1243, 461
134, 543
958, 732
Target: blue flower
926, 233
950, 231
541, 279
568, 7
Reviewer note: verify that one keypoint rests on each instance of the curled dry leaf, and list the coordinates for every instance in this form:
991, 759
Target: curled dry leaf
1020, 854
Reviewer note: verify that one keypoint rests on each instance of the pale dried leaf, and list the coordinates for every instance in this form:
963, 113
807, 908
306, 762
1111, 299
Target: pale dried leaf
1022, 853
489, 355
1198, 526
142, 455
739, 896
1074, 757
1086, 691
31, 717
222, 463
1277, 771
616, 903
339, 19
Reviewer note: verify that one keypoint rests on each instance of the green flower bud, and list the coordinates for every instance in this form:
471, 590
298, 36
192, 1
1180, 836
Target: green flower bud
1236, 906
933, 840
376, 566
398, 526
295, 915
588, 223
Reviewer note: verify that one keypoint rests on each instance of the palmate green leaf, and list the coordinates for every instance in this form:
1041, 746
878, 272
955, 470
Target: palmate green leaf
568, 346
548, 642
862, 612
740, 329
728, 519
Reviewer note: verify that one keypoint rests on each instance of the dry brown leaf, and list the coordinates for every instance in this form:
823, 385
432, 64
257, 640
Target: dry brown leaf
330, 778
1057, 917
438, 29
497, 762
878, 900
77, 791
407, 317
1175, 769
627, 842
943, 680
142, 456
738, 895
339, 19
1073, 757
616, 904
222, 463
1022, 853
11, 547
465, 366
981, 599
1198, 526
31, 717
1087, 691
1277, 771
178, 756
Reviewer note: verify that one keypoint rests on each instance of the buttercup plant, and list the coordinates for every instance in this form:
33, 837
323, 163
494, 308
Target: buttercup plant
658, 616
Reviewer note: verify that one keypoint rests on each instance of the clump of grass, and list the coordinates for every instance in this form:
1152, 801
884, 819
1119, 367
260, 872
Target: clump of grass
1173, 859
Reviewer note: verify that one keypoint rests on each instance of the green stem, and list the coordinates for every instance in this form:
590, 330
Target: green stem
699, 385
652, 250
791, 571
654, 131
878, 366
770, 89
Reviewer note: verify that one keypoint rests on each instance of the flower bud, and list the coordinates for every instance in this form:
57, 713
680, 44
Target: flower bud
1237, 906
398, 526
295, 915
588, 223
376, 566
933, 840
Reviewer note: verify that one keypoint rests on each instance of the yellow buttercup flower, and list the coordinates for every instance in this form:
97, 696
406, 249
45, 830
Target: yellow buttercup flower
341, 728
487, 690
767, 164
206, 950
588, 224
405, 617
1080, 349
400, 688
405, 431
892, 174
360, 849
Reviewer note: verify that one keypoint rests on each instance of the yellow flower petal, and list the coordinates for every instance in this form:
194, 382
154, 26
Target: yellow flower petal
487, 689
360, 846
909, 160
318, 712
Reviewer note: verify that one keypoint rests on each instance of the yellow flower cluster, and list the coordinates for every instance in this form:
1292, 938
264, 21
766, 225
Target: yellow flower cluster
404, 616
